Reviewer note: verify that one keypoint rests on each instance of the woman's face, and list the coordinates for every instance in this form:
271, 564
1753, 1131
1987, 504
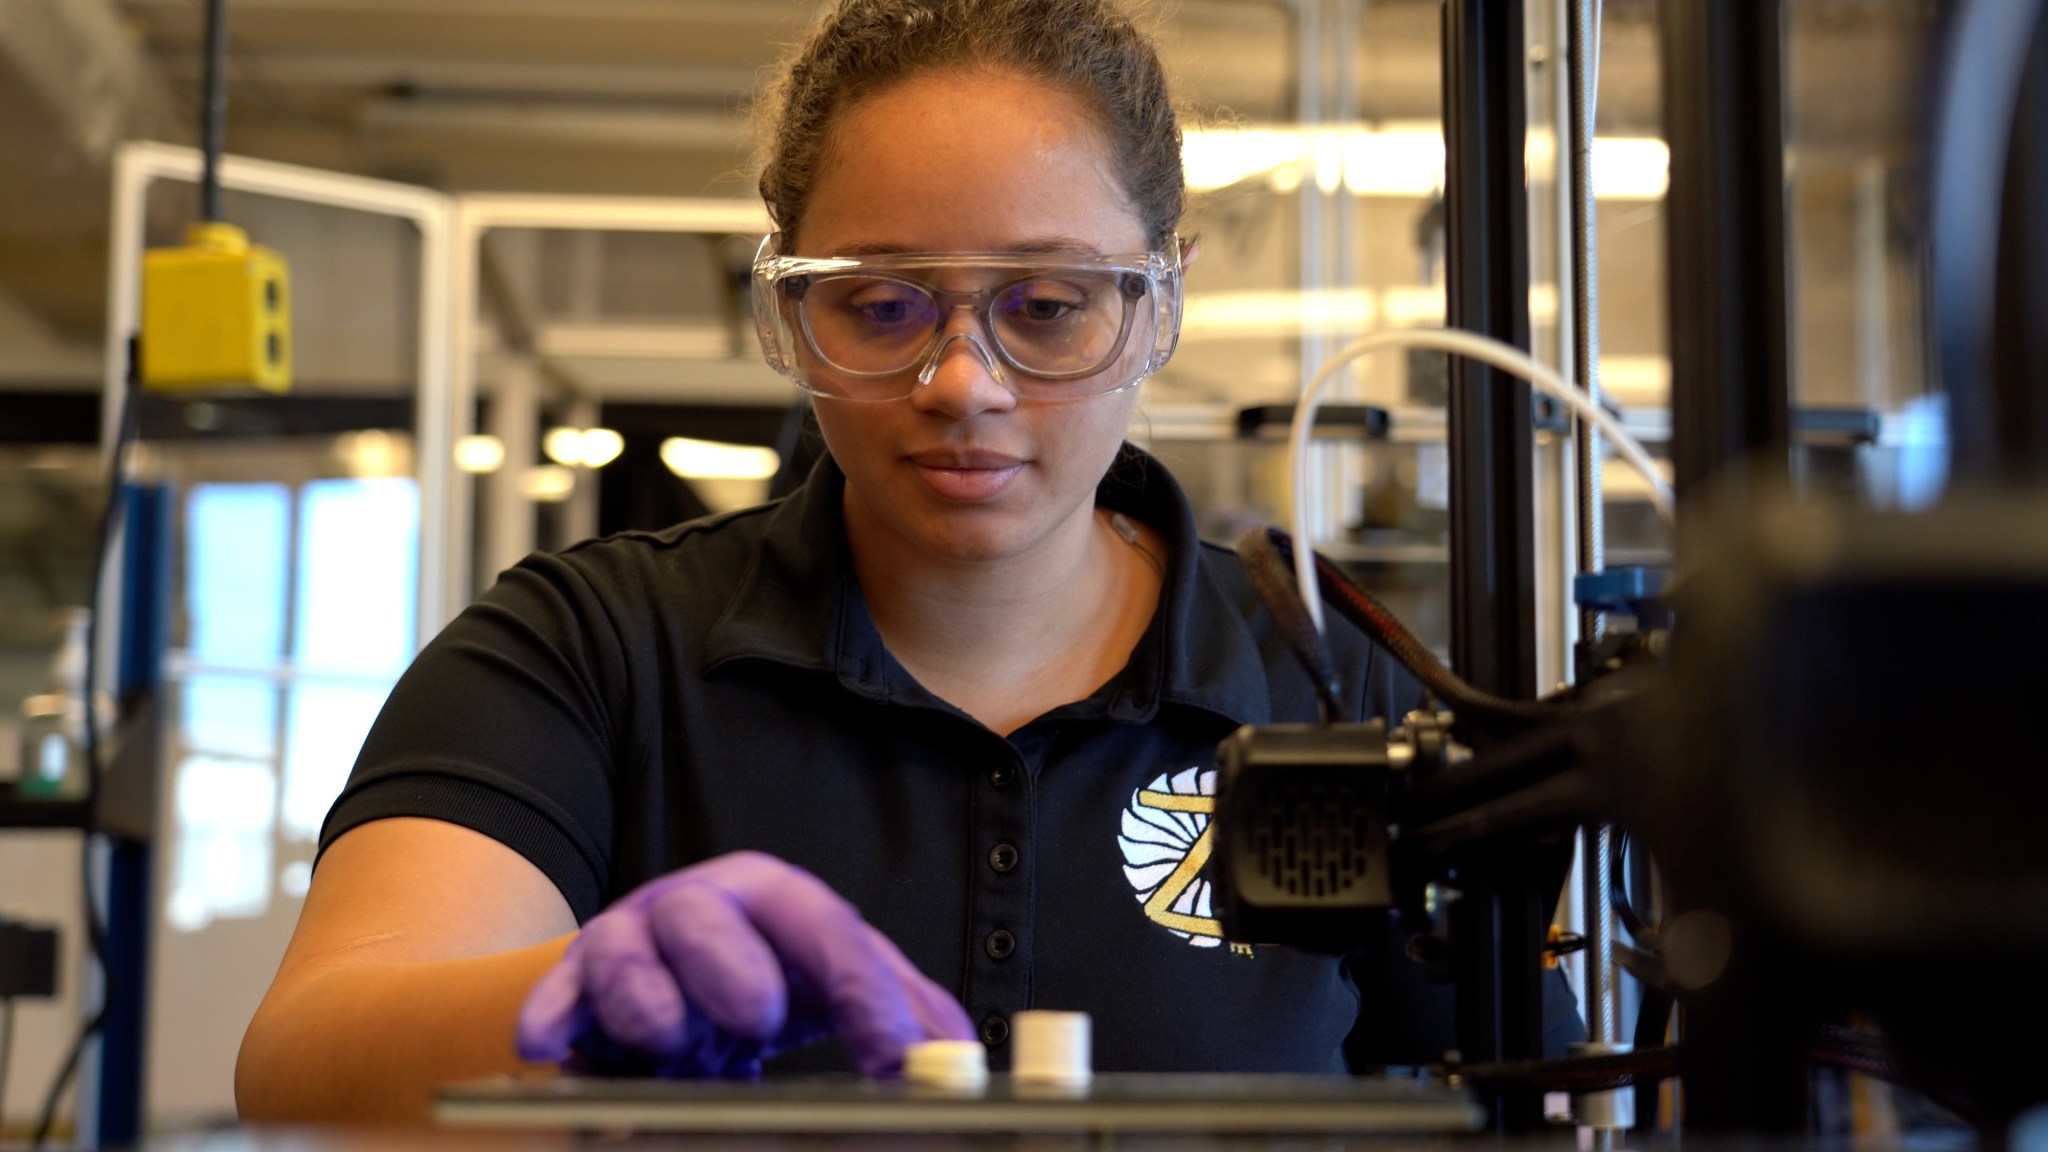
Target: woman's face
976, 161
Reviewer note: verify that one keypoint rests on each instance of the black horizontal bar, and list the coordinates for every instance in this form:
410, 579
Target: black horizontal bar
18, 811
1857, 425
1369, 421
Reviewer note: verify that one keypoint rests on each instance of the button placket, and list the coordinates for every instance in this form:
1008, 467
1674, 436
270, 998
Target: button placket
998, 957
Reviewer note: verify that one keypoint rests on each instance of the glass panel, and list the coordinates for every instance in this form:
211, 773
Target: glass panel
325, 727
1855, 114
297, 537
230, 716
358, 576
226, 810
235, 584
1317, 198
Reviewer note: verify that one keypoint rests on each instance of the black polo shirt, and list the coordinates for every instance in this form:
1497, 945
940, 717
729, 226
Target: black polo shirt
642, 702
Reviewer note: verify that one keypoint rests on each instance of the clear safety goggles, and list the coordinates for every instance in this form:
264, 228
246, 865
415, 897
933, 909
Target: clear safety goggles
874, 328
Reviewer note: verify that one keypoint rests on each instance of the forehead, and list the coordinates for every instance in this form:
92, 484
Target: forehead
968, 161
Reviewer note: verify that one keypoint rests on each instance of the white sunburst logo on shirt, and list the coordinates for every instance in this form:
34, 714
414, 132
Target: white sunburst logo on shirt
1166, 841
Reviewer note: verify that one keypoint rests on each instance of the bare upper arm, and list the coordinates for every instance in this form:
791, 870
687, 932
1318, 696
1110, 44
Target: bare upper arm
411, 889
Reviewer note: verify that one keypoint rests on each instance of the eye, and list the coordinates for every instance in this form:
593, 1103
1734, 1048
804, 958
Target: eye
1043, 301
885, 304
1043, 309
886, 311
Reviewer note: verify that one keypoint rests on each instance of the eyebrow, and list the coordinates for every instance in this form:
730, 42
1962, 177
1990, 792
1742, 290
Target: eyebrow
1045, 246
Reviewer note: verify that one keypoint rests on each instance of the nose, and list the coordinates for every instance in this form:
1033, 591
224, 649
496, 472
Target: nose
963, 376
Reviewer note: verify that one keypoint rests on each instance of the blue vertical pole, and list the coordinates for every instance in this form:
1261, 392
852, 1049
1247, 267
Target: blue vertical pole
145, 620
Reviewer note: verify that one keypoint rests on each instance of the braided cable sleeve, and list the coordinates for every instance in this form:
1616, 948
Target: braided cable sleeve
1275, 586
1380, 623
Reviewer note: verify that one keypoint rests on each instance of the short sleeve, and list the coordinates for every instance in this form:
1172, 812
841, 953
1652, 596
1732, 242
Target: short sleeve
502, 725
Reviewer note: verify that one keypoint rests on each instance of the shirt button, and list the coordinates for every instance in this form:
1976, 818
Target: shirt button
1003, 857
994, 1030
1001, 775
1000, 944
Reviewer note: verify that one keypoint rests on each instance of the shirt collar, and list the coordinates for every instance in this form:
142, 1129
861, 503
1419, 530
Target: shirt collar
799, 605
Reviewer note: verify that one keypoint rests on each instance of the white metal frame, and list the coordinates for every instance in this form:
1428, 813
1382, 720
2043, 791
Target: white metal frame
451, 231
437, 418
475, 216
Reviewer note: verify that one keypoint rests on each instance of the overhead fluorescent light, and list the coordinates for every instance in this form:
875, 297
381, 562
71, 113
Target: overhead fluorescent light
1287, 312
1398, 158
714, 460
582, 447
547, 483
479, 453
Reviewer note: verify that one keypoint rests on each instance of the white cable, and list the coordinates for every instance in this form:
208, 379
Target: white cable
1493, 353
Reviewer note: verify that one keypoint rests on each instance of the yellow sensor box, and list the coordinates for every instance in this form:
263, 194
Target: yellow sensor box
215, 314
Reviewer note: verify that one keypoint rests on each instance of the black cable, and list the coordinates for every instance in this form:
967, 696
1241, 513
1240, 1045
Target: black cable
1384, 627
1578, 1073
6, 1048
125, 431
1619, 898
1271, 580
96, 936
214, 112
1269, 561
1653, 1025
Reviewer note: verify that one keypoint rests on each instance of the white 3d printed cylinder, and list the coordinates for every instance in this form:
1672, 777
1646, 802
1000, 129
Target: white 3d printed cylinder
1051, 1048
946, 1064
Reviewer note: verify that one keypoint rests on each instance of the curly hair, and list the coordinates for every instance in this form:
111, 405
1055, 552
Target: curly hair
1093, 49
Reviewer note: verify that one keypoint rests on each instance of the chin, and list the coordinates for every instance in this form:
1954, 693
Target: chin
975, 538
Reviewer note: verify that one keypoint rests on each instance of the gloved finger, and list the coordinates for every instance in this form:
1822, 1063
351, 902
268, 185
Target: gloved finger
938, 1013
822, 937
550, 1018
628, 986
721, 963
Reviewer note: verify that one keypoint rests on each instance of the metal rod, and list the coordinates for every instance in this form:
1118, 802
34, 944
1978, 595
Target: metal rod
1597, 842
214, 114
1602, 1018
1584, 67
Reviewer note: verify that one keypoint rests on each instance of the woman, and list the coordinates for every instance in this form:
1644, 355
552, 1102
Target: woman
925, 744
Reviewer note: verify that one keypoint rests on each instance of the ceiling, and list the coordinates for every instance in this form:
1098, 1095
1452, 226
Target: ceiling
638, 97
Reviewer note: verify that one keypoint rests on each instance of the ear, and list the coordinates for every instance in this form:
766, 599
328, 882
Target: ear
1190, 251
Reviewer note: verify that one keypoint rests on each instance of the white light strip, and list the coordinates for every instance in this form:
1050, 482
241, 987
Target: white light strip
713, 460
1392, 159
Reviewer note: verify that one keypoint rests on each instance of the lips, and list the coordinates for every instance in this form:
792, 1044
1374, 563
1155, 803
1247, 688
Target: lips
964, 459
966, 474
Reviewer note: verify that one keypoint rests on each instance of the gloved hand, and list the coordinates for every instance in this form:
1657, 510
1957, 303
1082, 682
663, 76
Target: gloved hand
711, 969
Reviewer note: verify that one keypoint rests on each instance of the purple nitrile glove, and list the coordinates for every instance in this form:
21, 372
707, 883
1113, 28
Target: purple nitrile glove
711, 969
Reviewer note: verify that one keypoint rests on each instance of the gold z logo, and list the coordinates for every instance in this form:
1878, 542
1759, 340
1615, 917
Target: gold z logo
1159, 906
1166, 841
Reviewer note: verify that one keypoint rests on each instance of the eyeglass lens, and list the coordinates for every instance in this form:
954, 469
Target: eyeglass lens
1063, 325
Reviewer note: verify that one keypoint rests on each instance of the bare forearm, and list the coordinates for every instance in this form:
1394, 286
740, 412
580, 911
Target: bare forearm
368, 1041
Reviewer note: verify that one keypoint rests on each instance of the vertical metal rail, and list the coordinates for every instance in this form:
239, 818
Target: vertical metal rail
1584, 67
1493, 567
118, 1120
2019, 350
1725, 218
1603, 1020
1501, 916
1986, 152
1743, 1062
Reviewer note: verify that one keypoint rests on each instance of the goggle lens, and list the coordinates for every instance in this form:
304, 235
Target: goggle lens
1057, 326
